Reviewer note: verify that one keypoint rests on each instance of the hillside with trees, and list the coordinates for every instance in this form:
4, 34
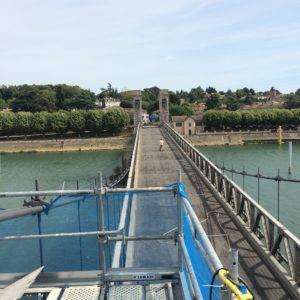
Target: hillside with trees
36, 98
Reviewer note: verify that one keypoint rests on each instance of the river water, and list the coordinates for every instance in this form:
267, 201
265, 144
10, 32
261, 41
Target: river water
54, 170
268, 158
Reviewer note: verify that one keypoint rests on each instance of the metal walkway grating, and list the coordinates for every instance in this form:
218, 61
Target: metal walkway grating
82, 293
139, 292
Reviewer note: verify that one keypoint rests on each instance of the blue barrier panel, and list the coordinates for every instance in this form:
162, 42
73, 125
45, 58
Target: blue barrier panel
199, 261
19, 256
65, 214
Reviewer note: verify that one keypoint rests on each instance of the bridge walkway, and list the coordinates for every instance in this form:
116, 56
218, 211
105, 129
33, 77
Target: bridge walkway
155, 168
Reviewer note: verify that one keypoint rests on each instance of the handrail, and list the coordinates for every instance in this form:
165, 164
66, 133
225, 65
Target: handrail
239, 189
124, 212
213, 258
258, 175
264, 232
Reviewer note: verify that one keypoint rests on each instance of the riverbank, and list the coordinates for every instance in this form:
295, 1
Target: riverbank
60, 145
241, 137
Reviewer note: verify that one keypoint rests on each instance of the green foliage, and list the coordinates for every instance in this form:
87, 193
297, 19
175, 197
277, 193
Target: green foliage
3, 103
296, 114
126, 103
213, 118
62, 121
150, 94
174, 98
109, 92
251, 118
40, 122
7, 122
33, 99
232, 102
181, 110
77, 121
211, 90
197, 95
115, 119
293, 100
22, 122
73, 97
213, 102
94, 120
59, 122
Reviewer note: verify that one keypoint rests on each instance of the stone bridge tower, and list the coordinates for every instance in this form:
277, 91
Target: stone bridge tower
164, 106
137, 108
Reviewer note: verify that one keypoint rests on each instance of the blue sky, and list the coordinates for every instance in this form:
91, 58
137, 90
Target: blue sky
133, 44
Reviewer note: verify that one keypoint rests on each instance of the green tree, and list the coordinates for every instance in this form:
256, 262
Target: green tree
213, 102
94, 120
59, 121
23, 122
40, 122
7, 122
293, 100
247, 118
3, 103
33, 99
296, 113
197, 94
115, 119
213, 118
283, 117
174, 98
77, 121
181, 110
232, 102
211, 90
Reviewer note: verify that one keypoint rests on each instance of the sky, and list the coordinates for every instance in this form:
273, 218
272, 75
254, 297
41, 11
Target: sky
134, 44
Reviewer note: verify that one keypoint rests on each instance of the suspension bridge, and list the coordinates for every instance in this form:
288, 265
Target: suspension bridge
173, 232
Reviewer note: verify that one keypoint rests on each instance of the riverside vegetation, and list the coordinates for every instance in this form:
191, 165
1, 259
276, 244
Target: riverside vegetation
62, 121
251, 119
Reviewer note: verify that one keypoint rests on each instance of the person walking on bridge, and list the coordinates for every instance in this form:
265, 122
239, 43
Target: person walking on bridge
161, 145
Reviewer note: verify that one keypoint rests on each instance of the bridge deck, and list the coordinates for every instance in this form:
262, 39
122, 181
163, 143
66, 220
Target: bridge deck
155, 168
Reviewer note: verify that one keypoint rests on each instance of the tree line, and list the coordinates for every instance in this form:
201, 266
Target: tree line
35, 98
62, 121
247, 119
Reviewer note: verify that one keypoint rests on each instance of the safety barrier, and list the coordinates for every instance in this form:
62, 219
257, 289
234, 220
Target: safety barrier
277, 246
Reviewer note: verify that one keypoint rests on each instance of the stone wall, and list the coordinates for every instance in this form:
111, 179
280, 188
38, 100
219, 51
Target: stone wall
104, 143
237, 138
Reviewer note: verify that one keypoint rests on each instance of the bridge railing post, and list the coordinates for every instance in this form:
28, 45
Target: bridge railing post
179, 223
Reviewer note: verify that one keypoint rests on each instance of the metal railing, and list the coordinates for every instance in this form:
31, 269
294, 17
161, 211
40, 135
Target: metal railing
278, 247
187, 225
117, 262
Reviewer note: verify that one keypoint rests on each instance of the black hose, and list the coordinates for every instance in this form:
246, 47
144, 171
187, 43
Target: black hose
213, 280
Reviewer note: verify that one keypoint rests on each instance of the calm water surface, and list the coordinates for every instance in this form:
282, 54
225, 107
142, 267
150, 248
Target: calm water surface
53, 170
268, 158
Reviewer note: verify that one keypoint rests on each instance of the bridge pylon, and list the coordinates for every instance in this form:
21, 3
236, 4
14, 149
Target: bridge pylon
137, 108
164, 106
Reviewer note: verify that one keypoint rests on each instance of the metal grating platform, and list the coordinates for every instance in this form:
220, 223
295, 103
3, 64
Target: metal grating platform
122, 292
81, 293
139, 292
157, 292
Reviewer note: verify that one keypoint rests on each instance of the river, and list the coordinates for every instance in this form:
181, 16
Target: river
54, 170
268, 158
